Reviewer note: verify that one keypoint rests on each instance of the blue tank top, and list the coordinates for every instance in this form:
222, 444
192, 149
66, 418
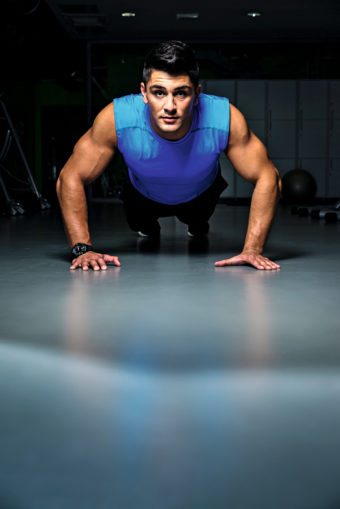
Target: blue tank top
165, 171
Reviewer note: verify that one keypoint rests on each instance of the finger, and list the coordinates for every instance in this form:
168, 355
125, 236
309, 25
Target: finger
272, 265
263, 264
94, 265
221, 263
102, 264
112, 259
266, 264
75, 264
230, 261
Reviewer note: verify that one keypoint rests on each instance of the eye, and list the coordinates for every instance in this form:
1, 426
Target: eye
158, 93
181, 94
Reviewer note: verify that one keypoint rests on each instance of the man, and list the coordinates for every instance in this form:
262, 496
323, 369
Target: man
171, 136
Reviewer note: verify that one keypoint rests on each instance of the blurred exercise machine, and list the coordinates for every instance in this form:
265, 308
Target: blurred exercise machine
28, 184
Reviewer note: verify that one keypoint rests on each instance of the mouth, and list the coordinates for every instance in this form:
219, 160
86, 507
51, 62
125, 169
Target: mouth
169, 120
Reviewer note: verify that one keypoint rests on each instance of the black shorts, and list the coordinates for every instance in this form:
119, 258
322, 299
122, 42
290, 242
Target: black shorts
142, 213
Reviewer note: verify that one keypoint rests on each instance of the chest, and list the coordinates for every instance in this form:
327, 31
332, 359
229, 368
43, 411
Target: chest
147, 155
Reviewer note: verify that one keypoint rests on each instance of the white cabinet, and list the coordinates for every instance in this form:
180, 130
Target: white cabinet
297, 120
228, 173
316, 166
334, 178
313, 138
313, 130
251, 98
281, 140
281, 124
334, 97
223, 88
251, 101
313, 95
333, 170
334, 137
282, 99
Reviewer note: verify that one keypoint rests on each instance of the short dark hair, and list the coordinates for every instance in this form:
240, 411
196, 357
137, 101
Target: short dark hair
173, 57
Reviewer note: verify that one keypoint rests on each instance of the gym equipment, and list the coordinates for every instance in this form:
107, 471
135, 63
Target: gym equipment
298, 186
330, 214
301, 211
14, 207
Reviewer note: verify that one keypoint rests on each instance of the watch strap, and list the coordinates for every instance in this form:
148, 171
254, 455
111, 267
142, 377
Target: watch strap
80, 248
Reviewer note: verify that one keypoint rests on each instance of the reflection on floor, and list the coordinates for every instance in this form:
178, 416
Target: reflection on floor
168, 383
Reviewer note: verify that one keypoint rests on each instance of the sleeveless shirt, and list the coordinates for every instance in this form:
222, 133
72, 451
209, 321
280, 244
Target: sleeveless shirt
172, 172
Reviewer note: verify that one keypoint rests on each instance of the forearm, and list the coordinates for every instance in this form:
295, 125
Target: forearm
72, 199
265, 198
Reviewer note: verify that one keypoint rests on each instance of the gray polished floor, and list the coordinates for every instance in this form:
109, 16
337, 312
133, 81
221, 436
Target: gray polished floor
168, 383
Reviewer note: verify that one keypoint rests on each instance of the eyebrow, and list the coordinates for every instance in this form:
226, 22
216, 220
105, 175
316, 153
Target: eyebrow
159, 87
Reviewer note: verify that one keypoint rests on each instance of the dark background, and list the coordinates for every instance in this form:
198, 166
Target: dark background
44, 61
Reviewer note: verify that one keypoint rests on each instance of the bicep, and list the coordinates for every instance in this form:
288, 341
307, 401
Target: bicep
90, 158
245, 150
249, 158
94, 150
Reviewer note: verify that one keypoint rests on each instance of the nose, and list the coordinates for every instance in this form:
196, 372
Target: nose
170, 105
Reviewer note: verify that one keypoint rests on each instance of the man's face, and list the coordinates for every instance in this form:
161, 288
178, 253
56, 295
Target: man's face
171, 99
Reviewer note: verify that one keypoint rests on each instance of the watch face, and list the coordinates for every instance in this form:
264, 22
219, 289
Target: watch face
80, 249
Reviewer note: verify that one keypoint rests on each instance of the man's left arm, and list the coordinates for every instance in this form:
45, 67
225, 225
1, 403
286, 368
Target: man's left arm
249, 157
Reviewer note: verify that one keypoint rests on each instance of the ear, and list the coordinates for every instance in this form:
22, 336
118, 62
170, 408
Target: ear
197, 93
144, 93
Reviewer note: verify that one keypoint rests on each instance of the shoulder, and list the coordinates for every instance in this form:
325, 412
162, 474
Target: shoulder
103, 130
212, 103
128, 110
213, 111
134, 100
239, 132
111, 118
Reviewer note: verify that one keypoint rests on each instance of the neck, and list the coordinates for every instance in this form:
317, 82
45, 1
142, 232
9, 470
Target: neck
173, 136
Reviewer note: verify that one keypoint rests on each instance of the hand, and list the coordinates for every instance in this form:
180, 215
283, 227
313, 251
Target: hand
256, 260
95, 260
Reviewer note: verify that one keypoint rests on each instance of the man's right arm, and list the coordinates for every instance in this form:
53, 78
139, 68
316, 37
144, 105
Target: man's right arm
90, 156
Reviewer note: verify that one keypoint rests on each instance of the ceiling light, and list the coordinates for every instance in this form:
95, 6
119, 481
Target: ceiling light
187, 15
128, 14
254, 14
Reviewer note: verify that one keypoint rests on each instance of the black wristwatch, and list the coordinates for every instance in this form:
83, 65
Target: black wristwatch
79, 249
